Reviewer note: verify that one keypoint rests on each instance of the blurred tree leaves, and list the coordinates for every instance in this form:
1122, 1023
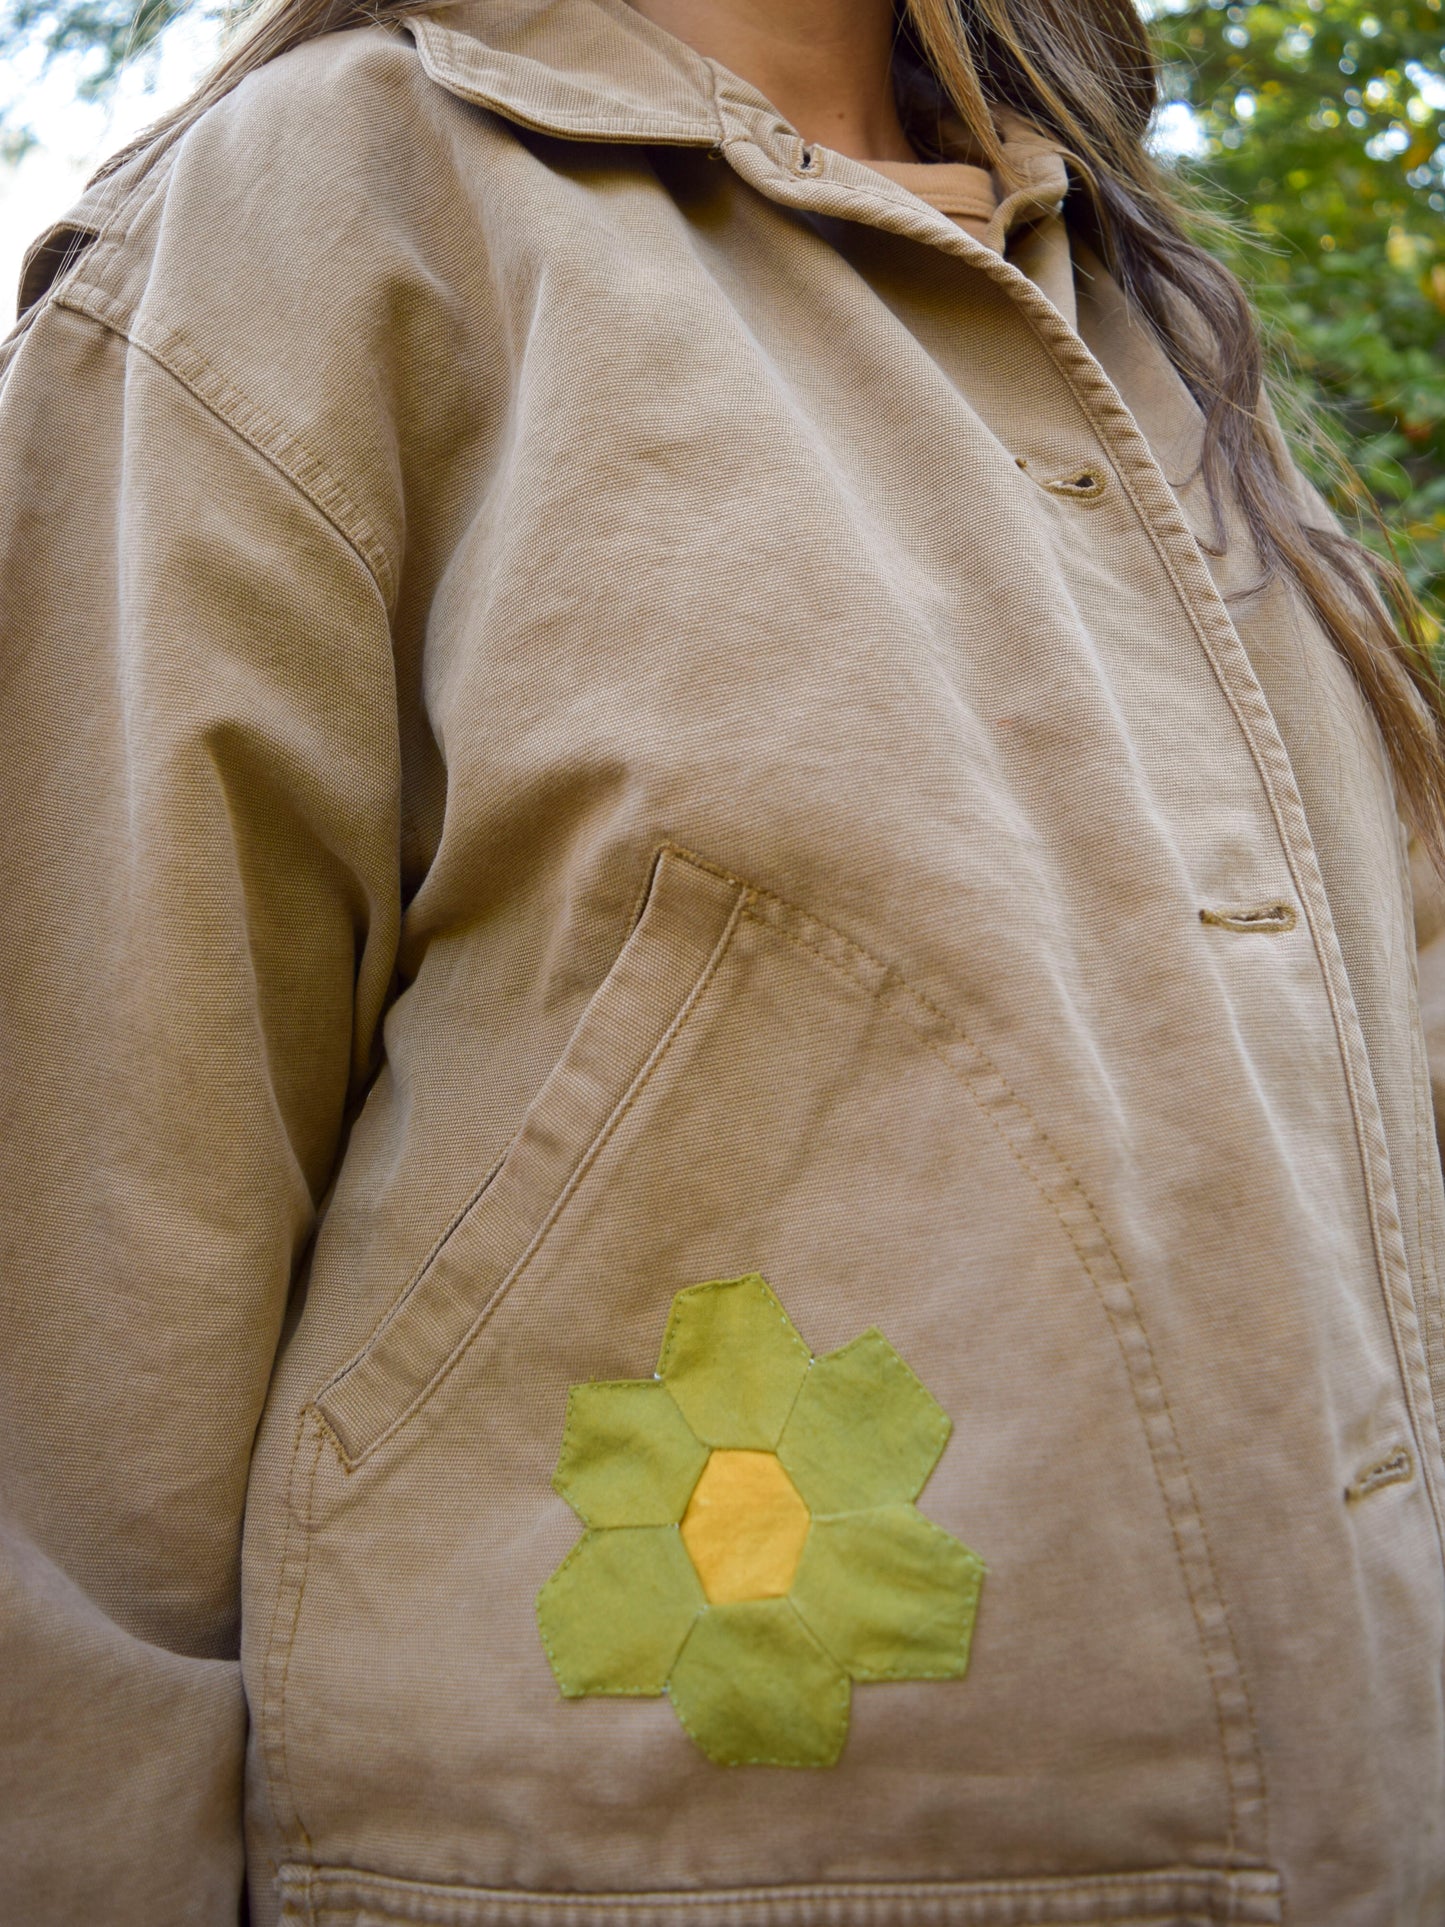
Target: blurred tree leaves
1322, 127
101, 36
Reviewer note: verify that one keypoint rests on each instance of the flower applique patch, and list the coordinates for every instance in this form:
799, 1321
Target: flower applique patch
752, 1547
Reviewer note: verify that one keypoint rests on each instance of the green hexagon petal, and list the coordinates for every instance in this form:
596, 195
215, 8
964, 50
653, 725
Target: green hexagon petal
628, 1458
733, 1361
615, 1613
863, 1432
890, 1594
754, 1688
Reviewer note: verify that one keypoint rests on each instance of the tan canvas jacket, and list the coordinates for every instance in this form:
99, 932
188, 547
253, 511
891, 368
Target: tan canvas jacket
623, 763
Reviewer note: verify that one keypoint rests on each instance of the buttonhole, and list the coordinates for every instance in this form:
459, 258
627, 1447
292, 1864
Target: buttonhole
1396, 1468
805, 161
1264, 919
1084, 485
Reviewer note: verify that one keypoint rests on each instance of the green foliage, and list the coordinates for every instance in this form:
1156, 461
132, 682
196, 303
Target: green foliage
1323, 130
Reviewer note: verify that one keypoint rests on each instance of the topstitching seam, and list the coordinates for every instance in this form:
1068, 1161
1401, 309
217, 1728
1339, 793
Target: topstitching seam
289, 456
1298, 849
1427, 1229
442, 65
1116, 432
893, 993
298, 1523
290, 1648
273, 1633
1424, 1230
112, 231
1180, 1885
585, 1163
396, 1308
893, 982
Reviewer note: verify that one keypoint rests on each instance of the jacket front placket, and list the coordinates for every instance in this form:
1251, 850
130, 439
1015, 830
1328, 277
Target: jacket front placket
774, 161
707, 108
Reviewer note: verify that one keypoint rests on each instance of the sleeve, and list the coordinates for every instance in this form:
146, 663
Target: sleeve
199, 848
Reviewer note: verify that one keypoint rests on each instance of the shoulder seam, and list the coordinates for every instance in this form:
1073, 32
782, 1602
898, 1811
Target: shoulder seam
221, 398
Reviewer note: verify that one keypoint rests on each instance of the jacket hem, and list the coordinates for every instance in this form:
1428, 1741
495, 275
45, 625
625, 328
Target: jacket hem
1168, 1897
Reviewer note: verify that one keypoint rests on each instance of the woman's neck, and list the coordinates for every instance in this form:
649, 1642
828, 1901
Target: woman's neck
826, 65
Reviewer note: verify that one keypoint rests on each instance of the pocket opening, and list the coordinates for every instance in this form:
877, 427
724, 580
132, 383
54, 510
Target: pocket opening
659, 975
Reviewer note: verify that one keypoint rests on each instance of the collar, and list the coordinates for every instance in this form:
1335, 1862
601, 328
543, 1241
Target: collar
598, 70
592, 70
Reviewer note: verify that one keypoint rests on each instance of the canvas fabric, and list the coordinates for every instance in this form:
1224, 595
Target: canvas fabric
598, 699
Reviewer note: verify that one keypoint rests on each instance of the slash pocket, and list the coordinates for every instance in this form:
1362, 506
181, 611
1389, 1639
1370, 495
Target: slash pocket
661, 974
749, 1090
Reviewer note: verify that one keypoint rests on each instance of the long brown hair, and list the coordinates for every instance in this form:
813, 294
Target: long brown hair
1085, 72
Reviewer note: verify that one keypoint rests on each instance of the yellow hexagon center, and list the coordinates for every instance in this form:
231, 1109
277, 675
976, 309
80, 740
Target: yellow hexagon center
744, 1527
